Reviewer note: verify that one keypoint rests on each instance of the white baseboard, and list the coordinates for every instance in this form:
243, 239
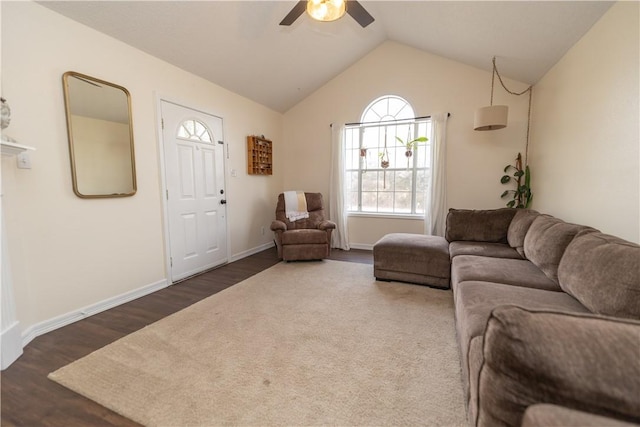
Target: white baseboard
252, 251
65, 319
363, 246
73, 316
10, 345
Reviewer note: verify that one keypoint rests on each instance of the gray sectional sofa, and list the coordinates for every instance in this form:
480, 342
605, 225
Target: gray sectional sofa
547, 319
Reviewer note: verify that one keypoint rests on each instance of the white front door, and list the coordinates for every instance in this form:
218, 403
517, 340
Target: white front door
194, 175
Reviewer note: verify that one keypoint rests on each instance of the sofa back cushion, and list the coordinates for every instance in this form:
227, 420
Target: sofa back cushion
518, 228
602, 272
479, 225
568, 359
315, 207
546, 241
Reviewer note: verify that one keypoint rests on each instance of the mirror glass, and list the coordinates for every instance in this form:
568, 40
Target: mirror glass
100, 137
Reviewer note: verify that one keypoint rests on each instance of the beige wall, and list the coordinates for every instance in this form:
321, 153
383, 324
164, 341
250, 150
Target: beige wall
431, 84
67, 252
585, 136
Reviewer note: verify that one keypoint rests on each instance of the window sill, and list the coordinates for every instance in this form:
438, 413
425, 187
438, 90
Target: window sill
415, 217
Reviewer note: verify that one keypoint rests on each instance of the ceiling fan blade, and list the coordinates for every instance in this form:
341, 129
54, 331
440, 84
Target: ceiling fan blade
359, 13
295, 13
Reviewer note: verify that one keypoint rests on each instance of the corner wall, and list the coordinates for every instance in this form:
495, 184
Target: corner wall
585, 155
431, 84
69, 253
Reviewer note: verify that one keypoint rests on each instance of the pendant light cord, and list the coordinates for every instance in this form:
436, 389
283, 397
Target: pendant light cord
495, 70
530, 90
493, 79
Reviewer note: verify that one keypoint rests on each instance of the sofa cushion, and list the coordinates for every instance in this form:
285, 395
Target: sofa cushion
493, 250
516, 272
583, 362
315, 207
479, 225
474, 302
305, 251
304, 236
413, 258
602, 272
475, 360
546, 241
544, 415
518, 228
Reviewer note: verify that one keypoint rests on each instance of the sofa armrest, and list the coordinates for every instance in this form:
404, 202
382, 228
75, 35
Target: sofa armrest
491, 225
579, 361
545, 415
278, 225
327, 225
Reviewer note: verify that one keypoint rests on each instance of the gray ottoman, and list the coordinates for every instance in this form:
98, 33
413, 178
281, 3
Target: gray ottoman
414, 258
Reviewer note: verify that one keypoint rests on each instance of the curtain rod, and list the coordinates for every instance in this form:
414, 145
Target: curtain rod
391, 121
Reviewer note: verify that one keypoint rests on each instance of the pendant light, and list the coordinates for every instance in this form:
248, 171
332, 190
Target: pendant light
494, 116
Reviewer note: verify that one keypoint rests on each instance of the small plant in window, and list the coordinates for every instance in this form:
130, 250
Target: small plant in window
411, 145
384, 154
384, 159
522, 196
384, 164
363, 158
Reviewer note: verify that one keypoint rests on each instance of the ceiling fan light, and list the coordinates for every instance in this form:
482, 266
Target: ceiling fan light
491, 118
326, 10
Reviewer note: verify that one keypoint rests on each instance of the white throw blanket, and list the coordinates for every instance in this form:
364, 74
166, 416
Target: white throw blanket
295, 205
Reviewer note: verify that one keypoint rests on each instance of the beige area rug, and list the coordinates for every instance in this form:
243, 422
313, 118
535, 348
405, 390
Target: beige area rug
313, 343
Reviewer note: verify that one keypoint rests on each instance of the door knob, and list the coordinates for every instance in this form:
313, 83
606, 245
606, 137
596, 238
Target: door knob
223, 202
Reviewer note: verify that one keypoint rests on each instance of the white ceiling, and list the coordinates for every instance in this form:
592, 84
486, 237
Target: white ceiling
240, 46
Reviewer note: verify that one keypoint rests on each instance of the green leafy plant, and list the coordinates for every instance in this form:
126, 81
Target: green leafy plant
384, 158
522, 196
411, 145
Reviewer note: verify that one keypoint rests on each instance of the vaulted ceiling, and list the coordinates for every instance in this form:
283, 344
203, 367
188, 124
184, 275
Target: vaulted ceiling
240, 46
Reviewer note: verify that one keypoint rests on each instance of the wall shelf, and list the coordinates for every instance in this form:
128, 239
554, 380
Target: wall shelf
13, 148
259, 156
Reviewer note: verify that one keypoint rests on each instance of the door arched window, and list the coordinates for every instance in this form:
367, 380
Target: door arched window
194, 130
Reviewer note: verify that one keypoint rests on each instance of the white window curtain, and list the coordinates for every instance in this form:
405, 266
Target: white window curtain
436, 198
337, 211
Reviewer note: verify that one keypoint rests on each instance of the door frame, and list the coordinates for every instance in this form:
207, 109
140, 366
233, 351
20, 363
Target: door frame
163, 178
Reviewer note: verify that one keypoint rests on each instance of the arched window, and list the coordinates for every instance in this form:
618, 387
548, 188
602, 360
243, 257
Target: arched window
194, 130
387, 108
388, 159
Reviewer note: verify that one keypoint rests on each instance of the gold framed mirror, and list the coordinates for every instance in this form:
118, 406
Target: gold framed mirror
100, 133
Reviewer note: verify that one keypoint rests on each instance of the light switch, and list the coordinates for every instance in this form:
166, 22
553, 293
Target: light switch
24, 161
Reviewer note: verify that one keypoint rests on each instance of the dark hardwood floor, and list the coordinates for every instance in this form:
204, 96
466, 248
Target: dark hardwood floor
30, 399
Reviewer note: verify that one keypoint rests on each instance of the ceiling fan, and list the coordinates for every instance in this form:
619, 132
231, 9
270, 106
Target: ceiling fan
329, 10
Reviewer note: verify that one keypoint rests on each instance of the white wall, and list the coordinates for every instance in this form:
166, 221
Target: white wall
67, 252
431, 84
585, 135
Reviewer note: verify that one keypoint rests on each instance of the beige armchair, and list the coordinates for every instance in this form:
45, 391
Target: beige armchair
304, 239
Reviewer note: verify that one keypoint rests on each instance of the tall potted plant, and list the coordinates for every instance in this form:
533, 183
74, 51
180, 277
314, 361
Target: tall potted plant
522, 196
